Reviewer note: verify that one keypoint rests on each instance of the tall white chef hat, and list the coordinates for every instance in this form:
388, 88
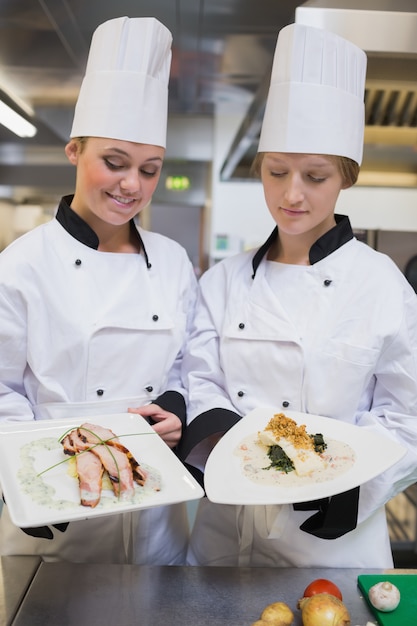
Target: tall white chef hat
124, 94
315, 103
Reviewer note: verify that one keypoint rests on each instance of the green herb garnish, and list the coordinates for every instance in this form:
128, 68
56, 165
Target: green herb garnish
280, 461
319, 444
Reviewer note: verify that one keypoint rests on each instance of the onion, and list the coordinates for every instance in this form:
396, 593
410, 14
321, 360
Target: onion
277, 614
323, 609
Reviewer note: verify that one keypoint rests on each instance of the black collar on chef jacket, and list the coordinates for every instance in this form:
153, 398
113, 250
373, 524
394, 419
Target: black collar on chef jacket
325, 245
82, 232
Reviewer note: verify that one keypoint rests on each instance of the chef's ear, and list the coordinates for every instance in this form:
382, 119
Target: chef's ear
74, 148
346, 184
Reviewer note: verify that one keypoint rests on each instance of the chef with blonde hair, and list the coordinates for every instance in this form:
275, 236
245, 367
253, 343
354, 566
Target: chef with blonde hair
95, 310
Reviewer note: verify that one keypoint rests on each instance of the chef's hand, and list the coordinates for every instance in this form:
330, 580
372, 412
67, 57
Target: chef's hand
166, 424
44, 532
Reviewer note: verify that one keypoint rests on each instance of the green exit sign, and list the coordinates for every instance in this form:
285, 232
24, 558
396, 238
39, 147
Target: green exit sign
177, 183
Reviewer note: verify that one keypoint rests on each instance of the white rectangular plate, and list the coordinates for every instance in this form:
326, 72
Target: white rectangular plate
19, 438
225, 482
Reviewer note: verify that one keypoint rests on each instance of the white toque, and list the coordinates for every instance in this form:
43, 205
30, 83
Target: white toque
124, 93
315, 103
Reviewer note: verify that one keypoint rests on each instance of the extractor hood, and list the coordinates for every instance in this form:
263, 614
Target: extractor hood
387, 31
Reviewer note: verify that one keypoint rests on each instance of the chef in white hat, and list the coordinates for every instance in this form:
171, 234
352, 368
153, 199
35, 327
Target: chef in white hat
95, 310
314, 321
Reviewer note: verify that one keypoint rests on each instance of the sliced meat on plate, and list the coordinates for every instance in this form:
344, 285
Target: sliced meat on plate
118, 468
92, 434
90, 474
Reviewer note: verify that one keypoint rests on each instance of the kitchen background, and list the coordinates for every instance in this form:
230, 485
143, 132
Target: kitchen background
206, 198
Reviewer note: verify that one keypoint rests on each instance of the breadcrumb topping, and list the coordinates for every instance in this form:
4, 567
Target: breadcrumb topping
283, 426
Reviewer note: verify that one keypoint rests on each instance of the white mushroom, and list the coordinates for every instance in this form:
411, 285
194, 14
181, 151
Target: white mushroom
384, 596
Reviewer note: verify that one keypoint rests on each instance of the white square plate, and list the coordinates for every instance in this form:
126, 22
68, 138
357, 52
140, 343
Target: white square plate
225, 482
24, 454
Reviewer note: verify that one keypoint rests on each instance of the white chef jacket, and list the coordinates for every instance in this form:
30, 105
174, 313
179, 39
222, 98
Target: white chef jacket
356, 361
89, 332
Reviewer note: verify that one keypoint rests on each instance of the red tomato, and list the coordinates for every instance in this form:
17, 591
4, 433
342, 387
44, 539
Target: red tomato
321, 585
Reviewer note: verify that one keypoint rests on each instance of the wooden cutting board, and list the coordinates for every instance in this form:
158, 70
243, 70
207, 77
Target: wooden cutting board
406, 612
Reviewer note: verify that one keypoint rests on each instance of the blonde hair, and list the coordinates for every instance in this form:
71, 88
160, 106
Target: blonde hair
348, 168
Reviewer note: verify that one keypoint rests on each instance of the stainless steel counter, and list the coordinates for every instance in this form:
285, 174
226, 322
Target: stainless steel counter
16, 573
68, 594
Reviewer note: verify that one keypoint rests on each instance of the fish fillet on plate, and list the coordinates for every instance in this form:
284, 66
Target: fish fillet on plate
295, 441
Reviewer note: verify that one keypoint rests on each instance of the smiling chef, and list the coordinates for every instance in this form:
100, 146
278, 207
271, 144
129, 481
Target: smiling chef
313, 321
94, 310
